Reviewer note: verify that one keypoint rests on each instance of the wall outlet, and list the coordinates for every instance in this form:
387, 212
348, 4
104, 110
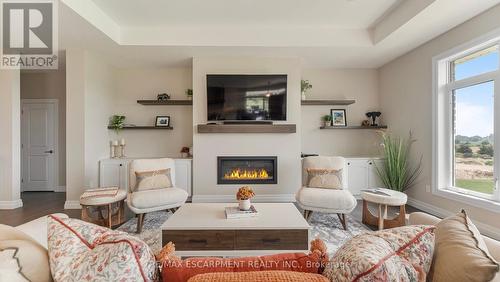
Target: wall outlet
428, 188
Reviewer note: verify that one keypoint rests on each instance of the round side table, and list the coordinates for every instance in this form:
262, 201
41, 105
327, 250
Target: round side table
389, 198
106, 211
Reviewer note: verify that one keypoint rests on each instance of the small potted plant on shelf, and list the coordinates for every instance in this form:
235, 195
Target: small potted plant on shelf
189, 94
243, 196
327, 120
116, 122
304, 87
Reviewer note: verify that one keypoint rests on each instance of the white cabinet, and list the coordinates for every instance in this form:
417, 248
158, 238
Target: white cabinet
114, 172
183, 174
362, 174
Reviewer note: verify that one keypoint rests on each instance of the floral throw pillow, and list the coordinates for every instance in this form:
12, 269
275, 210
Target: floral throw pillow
397, 254
81, 251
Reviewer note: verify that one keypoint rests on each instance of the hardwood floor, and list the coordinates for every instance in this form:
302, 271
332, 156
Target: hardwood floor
37, 204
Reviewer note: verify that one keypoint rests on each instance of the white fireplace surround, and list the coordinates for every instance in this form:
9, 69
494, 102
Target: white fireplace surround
285, 146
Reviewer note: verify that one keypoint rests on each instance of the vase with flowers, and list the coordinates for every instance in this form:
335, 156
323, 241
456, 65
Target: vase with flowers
243, 196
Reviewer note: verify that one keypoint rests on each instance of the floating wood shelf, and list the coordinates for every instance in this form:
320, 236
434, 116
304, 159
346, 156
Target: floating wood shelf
165, 103
144, 127
327, 102
247, 128
354, 127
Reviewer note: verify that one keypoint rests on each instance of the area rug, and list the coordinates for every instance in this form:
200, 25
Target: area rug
324, 226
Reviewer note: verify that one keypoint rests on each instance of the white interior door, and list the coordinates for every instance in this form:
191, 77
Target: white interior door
39, 142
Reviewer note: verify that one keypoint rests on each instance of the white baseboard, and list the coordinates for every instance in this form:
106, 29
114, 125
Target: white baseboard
283, 198
484, 228
72, 205
60, 189
10, 205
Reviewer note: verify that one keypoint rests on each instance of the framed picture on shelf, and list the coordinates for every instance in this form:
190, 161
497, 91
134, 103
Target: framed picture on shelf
338, 117
162, 121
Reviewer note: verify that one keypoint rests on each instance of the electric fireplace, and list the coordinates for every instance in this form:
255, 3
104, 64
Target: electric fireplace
247, 170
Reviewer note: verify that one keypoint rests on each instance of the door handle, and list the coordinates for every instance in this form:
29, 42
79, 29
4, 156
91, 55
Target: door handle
49, 152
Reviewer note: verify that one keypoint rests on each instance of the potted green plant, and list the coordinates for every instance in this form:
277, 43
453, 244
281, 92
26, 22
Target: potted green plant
304, 87
397, 172
189, 94
116, 123
327, 120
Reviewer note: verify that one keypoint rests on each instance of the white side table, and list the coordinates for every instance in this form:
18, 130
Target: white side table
393, 198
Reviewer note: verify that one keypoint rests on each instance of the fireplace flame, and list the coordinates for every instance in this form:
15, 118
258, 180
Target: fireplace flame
247, 174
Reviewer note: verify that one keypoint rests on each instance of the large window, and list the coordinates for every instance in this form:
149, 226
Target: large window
466, 95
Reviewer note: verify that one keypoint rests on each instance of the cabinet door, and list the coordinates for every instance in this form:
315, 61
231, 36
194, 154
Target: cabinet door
373, 178
183, 175
357, 176
109, 174
113, 173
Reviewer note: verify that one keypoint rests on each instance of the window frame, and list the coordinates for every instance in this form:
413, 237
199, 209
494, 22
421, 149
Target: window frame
443, 145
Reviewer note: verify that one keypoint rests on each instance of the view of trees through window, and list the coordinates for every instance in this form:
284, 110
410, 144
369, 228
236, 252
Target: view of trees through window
473, 133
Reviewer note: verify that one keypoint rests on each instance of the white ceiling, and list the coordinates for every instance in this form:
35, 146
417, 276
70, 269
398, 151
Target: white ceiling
324, 33
199, 13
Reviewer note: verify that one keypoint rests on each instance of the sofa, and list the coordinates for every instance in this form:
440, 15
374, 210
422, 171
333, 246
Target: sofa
36, 230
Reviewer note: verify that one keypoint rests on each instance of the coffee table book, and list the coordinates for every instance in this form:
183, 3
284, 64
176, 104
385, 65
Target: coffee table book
235, 212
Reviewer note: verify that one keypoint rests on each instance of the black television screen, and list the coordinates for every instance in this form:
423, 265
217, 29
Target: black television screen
246, 97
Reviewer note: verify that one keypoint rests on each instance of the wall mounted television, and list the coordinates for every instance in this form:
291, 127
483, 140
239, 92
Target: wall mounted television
246, 98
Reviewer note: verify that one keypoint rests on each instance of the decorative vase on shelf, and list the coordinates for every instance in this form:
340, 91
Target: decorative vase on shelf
245, 204
303, 95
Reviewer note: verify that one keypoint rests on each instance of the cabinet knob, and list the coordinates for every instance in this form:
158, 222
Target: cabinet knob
370, 163
348, 163
121, 164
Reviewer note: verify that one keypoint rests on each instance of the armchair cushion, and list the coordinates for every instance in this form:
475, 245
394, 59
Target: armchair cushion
326, 200
323, 162
153, 179
324, 178
150, 165
158, 197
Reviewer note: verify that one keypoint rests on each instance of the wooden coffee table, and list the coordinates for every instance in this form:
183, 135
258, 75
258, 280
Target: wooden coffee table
201, 229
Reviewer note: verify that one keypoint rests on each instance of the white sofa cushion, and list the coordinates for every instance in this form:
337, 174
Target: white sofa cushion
37, 229
326, 200
157, 198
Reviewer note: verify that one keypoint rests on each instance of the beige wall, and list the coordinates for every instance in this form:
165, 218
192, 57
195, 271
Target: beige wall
137, 84
10, 140
75, 125
99, 96
208, 146
406, 99
358, 84
50, 85
89, 94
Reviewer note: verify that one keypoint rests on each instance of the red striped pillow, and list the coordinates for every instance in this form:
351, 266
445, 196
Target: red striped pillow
402, 254
81, 251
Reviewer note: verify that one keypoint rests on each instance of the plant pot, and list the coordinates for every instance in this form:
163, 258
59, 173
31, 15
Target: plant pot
303, 95
245, 204
190, 97
327, 123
